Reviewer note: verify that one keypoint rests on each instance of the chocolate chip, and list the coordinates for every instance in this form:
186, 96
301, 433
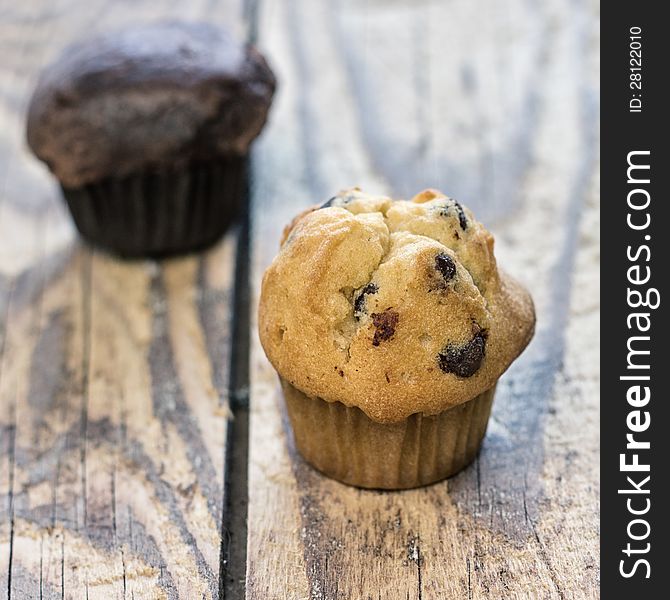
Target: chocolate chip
385, 324
465, 360
446, 266
338, 201
359, 302
462, 219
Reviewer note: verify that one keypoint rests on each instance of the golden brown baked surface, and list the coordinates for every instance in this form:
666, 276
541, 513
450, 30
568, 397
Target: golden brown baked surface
396, 307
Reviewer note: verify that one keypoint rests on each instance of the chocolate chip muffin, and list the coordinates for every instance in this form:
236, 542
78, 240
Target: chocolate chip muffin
147, 130
389, 324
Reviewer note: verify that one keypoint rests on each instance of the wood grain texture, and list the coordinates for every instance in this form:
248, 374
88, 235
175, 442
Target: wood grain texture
114, 376
114, 410
495, 103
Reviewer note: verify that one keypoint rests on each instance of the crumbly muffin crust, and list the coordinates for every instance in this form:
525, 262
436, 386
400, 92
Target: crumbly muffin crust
147, 96
396, 307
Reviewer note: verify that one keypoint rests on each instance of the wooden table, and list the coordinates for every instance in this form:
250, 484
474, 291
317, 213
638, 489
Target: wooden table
144, 448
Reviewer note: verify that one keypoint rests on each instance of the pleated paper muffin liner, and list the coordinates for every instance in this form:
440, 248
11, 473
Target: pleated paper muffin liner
161, 212
345, 444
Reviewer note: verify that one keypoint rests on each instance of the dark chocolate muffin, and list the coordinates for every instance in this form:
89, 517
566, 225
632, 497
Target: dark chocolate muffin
147, 130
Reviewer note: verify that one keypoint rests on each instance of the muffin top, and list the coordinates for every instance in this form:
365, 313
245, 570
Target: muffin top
396, 307
157, 95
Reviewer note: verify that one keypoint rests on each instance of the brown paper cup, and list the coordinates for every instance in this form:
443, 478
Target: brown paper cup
161, 212
345, 444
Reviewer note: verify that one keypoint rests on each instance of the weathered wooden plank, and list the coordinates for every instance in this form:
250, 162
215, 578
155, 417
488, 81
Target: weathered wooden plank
496, 105
118, 451
113, 375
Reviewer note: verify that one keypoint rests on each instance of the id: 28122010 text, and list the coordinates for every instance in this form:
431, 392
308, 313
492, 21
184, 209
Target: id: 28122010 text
635, 69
